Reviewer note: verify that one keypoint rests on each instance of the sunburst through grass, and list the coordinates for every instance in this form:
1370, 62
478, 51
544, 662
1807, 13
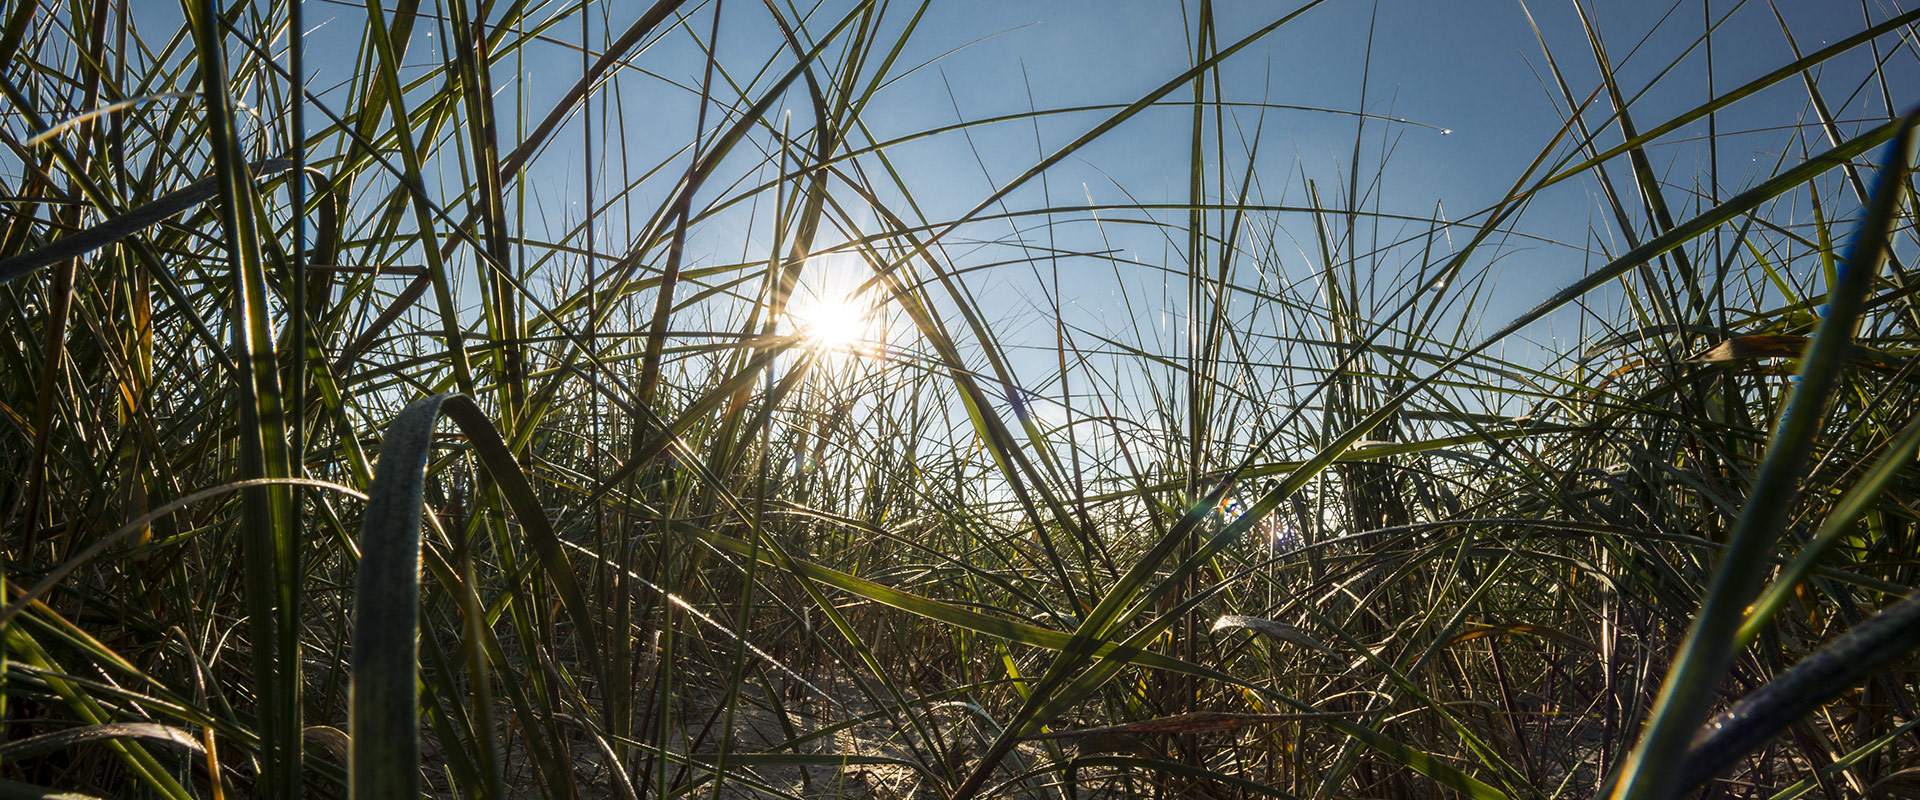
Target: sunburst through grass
834, 321
836, 316
882, 415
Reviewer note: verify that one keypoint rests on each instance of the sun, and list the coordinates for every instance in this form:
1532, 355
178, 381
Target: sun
832, 323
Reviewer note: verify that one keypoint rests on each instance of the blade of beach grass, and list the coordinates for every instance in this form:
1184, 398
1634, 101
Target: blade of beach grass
413, 181
1651, 771
1857, 501
384, 718
385, 707
61, 740
271, 521
129, 223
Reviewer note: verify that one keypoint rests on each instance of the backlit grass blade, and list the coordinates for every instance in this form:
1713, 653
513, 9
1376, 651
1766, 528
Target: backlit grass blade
270, 521
73, 737
385, 721
1652, 771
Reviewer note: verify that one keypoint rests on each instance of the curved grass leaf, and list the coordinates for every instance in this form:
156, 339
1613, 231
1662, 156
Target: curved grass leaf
1271, 628
74, 737
385, 715
1820, 677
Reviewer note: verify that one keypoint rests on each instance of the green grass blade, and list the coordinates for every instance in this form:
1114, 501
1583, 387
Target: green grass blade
271, 522
386, 719
1858, 499
385, 716
1652, 770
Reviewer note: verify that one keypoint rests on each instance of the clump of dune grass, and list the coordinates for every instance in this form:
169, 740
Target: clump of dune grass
756, 482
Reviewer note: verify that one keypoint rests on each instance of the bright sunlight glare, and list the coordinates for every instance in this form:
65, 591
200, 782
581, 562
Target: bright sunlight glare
832, 323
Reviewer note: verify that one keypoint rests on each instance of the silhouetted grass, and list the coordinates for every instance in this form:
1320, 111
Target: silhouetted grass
1273, 514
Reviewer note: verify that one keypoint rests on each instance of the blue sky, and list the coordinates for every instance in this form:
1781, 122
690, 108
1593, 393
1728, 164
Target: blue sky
1472, 67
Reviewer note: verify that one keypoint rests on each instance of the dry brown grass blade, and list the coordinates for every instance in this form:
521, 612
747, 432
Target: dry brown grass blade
1785, 345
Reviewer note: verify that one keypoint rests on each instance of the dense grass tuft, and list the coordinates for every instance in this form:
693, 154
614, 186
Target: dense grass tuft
782, 463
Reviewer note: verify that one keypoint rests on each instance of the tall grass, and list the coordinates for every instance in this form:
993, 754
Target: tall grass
1303, 509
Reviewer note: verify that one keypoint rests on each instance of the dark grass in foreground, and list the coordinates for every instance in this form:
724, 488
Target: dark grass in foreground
1327, 538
